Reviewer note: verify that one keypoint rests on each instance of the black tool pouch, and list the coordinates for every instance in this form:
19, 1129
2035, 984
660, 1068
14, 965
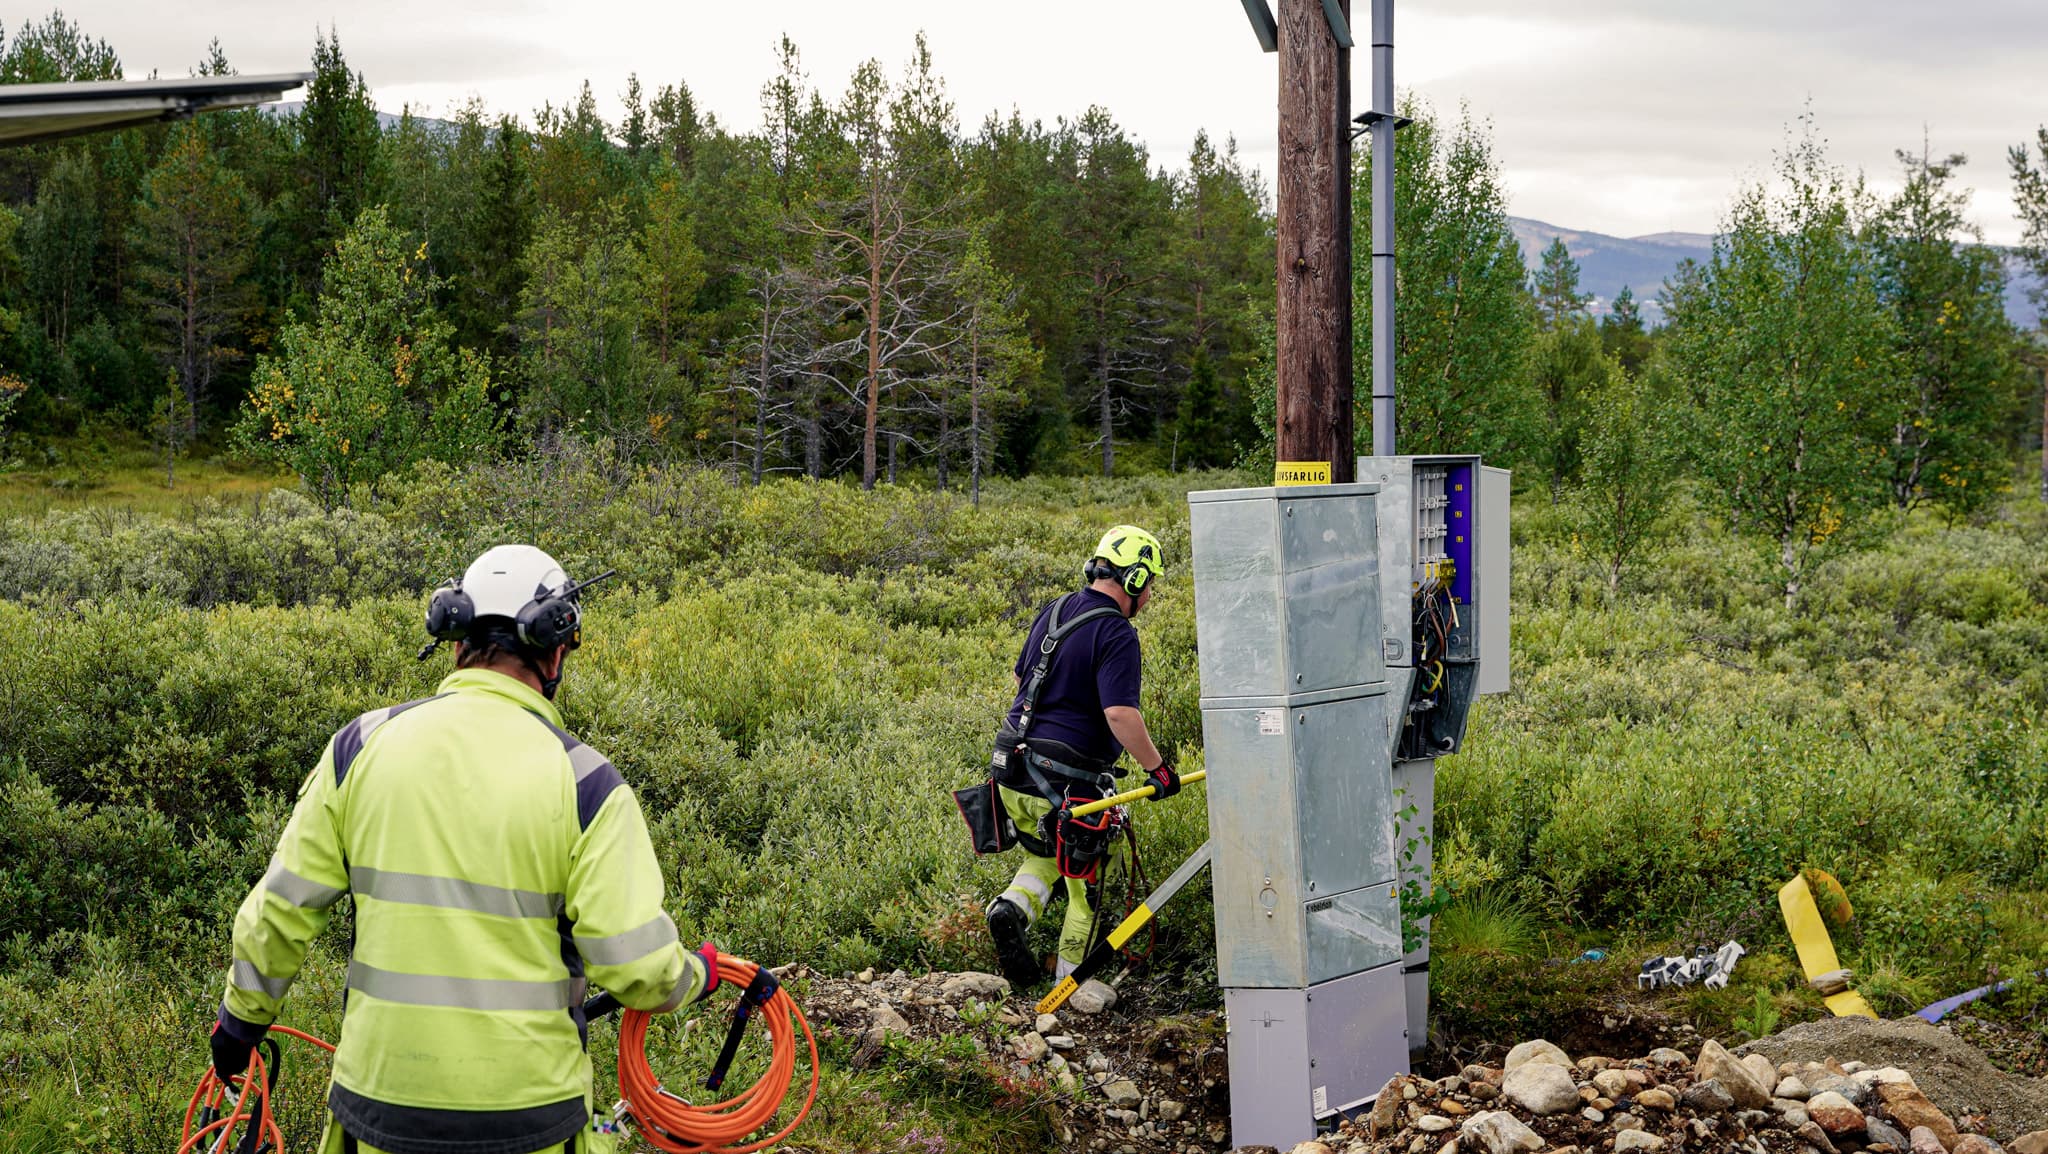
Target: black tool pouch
988, 823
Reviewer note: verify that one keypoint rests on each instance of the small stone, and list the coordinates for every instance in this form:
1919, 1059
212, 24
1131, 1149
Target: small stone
1910, 1108
1701, 1128
1409, 1092
1612, 1083
1592, 1114
1626, 1121
1717, 1063
1419, 1146
1708, 1097
1068, 1081
1541, 1087
1640, 1079
1877, 1132
1666, 1056
1589, 1094
1817, 1137
1795, 1114
1046, 1023
1593, 1064
1603, 1103
1453, 1107
1834, 1113
1925, 1141
1030, 1047
1093, 997
1854, 1067
1123, 1091
2035, 1142
1171, 1111
1976, 1144
1485, 1091
974, 985
1536, 1051
1829, 1083
1121, 1117
865, 976
1479, 1074
1498, 1132
1060, 1041
889, 1021
1791, 1087
1097, 1064
1450, 1085
1433, 1123
1657, 1100
1636, 1140
1310, 1148
1760, 1068
1385, 1109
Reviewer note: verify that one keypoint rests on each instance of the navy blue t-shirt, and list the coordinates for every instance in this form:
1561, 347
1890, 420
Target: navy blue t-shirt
1095, 667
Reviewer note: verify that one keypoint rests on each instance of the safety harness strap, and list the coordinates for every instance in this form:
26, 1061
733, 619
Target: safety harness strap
1056, 631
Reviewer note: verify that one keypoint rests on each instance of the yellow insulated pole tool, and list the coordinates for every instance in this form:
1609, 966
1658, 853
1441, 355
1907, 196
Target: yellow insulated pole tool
1135, 795
1100, 955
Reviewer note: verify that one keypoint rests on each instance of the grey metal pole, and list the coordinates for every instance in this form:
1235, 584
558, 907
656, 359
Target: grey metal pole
1383, 228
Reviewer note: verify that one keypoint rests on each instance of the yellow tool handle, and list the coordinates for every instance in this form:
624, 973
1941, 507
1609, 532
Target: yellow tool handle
1134, 795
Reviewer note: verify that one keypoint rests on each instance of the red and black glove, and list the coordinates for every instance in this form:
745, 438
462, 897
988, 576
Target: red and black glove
708, 954
232, 1041
1165, 782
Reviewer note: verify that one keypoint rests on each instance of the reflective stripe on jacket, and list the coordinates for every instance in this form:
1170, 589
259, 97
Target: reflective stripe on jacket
498, 866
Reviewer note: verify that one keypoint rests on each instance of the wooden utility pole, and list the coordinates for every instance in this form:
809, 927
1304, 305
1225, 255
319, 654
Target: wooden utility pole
1313, 382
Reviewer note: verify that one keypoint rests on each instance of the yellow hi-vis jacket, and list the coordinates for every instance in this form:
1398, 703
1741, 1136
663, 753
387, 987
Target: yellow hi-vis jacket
498, 866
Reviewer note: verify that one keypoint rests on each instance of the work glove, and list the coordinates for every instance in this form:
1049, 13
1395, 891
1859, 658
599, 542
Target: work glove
1165, 782
708, 954
232, 1041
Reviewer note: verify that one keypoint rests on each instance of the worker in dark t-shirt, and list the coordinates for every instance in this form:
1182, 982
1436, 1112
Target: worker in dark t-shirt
1065, 746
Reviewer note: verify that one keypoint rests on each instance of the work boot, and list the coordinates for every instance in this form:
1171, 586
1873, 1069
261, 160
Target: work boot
1008, 927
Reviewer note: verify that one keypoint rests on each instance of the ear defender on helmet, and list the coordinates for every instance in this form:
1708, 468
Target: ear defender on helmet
549, 620
1135, 579
449, 612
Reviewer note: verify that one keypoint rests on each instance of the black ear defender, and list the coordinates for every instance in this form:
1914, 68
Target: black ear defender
449, 614
555, 618
1135, 578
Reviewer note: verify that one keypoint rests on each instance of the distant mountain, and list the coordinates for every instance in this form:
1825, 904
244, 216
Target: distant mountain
1606, 263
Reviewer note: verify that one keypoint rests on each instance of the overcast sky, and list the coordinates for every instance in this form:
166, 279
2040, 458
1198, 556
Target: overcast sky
1617, 116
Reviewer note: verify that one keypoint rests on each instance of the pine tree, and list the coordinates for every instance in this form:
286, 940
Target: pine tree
194, 243
337, 167
1556, 288
1622, 335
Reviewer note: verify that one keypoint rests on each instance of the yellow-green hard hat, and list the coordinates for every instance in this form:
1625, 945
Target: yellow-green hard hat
1135, 554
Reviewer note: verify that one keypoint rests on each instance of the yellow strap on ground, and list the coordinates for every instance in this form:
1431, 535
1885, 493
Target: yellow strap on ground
1138, 794
1816, 949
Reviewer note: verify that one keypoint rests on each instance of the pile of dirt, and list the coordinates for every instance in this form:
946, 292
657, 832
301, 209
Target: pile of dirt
1954, 1074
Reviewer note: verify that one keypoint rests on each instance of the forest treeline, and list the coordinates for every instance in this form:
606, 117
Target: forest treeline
862, 285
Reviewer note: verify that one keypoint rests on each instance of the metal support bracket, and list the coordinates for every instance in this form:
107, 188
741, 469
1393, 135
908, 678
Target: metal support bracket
1340, 28
1263, 25
1366, 120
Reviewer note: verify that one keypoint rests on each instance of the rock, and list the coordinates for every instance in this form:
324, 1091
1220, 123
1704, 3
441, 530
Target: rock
1480, 1074
1171, 1111
1657, 1100
1453, 1107
1093, 997
1708, 1097
1891, 1075
1626, 1122
1909, 1108
1310, 1148
1975, 1144
1060, 1041
1123, 1091
1450, 1085
1593, 1065
1817, 1137
1097, 1063
1636, 1140
1603, 1104
1498, 1132
1794, 1113
1541, 1087
1717, 1063
865, 976
1925, 1141
1612, 1083
1068, 1080
1856, 1092
1433, 1123
960, 987
1385, 1109
1485, 1091
1760, 1068
1834, 1113
1122, 1117
1589, 1094
1592, 1114
1791, 1087
1875, 1131
1854, 1067
1046, 1024
889, 1021
1536, 1051
2033, 1143
1640, 1079
1666, 1056
1030, 1047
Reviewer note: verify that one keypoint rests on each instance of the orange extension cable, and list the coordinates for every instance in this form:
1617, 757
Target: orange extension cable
665, 1121
669, 1123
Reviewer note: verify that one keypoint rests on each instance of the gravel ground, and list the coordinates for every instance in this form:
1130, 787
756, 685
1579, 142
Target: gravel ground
1954, 1074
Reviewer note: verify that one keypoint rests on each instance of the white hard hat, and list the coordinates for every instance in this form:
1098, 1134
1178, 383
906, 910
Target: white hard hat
507, 578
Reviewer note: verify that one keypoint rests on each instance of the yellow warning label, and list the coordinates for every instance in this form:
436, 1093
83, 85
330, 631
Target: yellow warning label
1301, 473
